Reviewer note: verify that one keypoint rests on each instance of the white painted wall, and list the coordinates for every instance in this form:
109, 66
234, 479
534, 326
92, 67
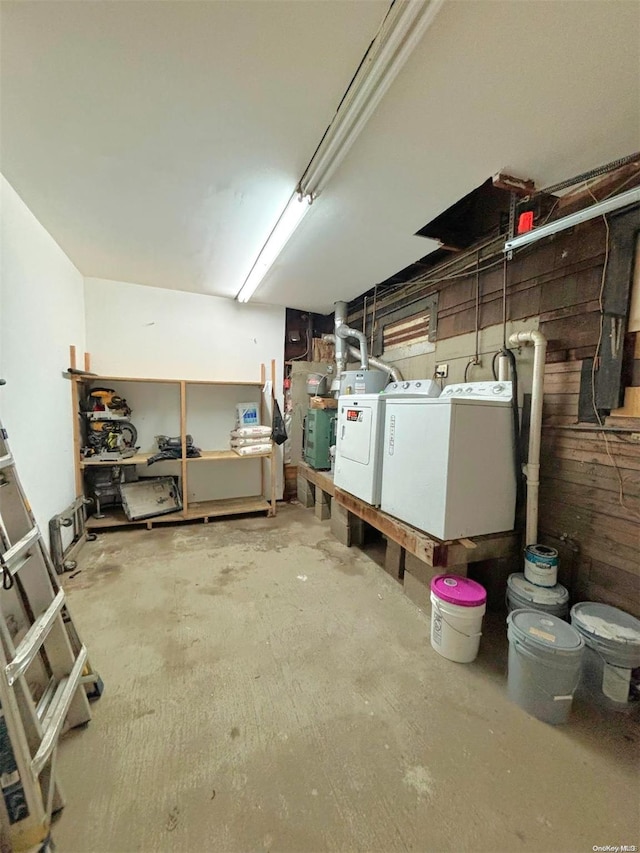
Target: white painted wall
41, 313
136, 330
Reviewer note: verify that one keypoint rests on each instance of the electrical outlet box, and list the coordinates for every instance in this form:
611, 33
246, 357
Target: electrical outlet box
442, 371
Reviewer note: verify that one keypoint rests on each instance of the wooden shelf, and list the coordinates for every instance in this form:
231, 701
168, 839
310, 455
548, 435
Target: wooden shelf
141, 458
225, 455
200, 510
221, 382
136, 459
227, 506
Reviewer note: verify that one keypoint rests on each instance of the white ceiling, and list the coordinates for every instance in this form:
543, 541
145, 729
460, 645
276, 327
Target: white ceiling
158, 141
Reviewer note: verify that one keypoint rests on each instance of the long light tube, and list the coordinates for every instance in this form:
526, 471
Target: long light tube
401, 30
399, 34
289, 220
599, 209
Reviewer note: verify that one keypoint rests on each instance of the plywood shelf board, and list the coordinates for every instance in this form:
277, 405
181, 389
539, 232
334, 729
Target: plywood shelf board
141, 458
137, 459
223, 383
224, 456
227, 506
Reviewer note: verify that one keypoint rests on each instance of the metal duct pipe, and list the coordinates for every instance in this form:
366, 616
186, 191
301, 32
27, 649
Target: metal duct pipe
340, 319
346, 332
342, 332
393, 372
532, 468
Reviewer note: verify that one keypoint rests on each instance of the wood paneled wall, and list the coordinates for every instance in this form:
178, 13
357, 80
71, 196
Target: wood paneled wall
590, 483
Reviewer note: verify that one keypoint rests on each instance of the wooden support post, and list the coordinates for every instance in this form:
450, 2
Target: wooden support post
274, 452
87, 362
72, 357
183, 439
263, 461
75, 426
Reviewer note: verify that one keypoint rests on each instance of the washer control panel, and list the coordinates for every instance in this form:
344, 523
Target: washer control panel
479, 390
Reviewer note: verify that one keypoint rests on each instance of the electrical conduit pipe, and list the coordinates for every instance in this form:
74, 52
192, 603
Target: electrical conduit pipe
532, 468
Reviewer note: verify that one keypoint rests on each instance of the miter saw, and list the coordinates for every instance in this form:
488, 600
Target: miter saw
110, 436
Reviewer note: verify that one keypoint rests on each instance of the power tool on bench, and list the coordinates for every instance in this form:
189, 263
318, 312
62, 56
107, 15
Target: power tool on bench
110, 436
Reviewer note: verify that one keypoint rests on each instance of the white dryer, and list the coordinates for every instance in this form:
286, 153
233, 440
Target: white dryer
358, 466
448, 463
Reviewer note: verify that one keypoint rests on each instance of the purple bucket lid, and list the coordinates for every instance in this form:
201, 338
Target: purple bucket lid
457, 590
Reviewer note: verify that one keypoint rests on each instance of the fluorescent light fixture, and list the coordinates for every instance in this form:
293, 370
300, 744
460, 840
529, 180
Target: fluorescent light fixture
599, 209
400, 32
289, 220
403, 27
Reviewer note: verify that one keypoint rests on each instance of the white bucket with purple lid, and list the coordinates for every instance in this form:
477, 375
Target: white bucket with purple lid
458, 605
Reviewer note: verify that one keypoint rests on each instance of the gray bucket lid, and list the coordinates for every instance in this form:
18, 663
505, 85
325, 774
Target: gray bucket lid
549, 595
607, 626
544, 631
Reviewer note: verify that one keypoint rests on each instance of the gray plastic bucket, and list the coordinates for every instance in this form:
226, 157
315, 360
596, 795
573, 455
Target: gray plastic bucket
521, 593
545, 657
612, 638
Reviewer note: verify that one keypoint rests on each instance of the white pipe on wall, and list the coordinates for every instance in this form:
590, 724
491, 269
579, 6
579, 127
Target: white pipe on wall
532, 468
503, 368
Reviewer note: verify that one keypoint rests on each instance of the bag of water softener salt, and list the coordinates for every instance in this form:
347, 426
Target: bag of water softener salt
263, 432
247, 414
254, 449
248, 441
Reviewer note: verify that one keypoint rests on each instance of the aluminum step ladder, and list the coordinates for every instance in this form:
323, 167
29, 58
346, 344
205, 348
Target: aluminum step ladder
46, 681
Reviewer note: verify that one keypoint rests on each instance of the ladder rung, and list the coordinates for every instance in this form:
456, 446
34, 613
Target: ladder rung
57, 712
16, 551
45, 699
6, 461
16, 566
33, 639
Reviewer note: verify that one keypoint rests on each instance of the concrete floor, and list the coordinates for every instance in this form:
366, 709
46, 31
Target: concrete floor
269, 689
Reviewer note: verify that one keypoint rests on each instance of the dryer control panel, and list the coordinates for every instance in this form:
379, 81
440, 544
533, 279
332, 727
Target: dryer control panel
479, 390
412, 388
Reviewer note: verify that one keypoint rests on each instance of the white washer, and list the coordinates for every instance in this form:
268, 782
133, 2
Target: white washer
358, 467
448, 463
